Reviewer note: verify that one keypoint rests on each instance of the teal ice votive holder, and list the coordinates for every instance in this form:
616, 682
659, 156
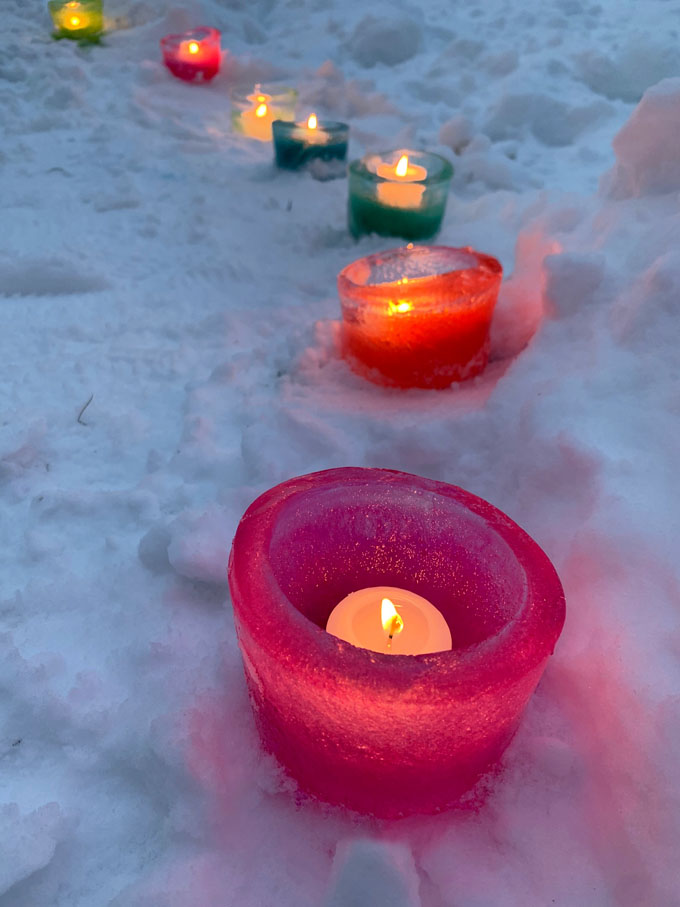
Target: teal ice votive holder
298, 144
398, 193
80, 20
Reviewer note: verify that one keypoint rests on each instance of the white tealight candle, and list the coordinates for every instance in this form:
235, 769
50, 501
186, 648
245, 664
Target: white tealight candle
401, 188
189, 51
256, 121
311, 133
390, 620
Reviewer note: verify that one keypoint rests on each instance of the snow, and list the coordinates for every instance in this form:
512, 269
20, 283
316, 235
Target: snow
155, 264
379, 873
646, 158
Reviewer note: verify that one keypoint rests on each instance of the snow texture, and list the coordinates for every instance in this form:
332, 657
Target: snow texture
373, 872
169, 351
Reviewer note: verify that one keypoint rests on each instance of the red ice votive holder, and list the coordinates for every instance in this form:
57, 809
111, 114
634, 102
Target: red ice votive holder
387, 734
194, 54
419, 316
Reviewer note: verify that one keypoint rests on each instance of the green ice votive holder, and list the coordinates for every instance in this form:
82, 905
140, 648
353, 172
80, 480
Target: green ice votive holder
393, 198
80, 20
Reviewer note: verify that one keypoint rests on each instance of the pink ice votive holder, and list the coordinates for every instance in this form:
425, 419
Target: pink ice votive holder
383, 734
196, 54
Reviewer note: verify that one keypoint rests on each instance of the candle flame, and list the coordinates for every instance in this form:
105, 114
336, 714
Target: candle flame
312, 122
402, 165
261, 110
193, 47
392, 621
402, 306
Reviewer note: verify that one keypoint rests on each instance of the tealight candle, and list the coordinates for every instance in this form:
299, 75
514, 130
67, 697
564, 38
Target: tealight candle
419, 316
399, 193
77, 19
402, 186
253, 113
297, 144
196, 53
387, 733
391, 620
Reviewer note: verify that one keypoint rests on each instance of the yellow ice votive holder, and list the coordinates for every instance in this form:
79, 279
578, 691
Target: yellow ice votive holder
80, 20
253, 111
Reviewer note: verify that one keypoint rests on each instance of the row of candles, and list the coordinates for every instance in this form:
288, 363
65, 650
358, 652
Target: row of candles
401, 193
390, 679
396, 193
392, 628
411, 317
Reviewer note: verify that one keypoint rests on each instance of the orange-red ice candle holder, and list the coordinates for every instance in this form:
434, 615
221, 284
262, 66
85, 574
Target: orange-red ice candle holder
419, 316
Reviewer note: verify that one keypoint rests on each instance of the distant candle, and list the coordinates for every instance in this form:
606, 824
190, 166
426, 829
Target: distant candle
390, 620
73, 18
197, 54
298, 144
314, 134
257, 121
77, 19
401, 188
189, 49
254, 113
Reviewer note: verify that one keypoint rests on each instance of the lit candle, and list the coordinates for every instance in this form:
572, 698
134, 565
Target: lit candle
297, 144
189, 49
399, 193
78, 19
73, 18
254, 112
197, 53
390, 620
313, 133
258, 118
419, 316
401, 188
379, 734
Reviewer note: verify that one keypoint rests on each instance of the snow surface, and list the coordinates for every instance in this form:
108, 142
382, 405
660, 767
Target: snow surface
154, 264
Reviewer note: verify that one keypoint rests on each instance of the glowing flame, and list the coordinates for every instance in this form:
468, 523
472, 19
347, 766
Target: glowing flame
402, 165
402, 306
261, 110
193, 47
73, 21
312, 122
391, 620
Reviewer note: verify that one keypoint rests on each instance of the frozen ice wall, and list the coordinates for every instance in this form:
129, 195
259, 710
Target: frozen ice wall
169, 350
